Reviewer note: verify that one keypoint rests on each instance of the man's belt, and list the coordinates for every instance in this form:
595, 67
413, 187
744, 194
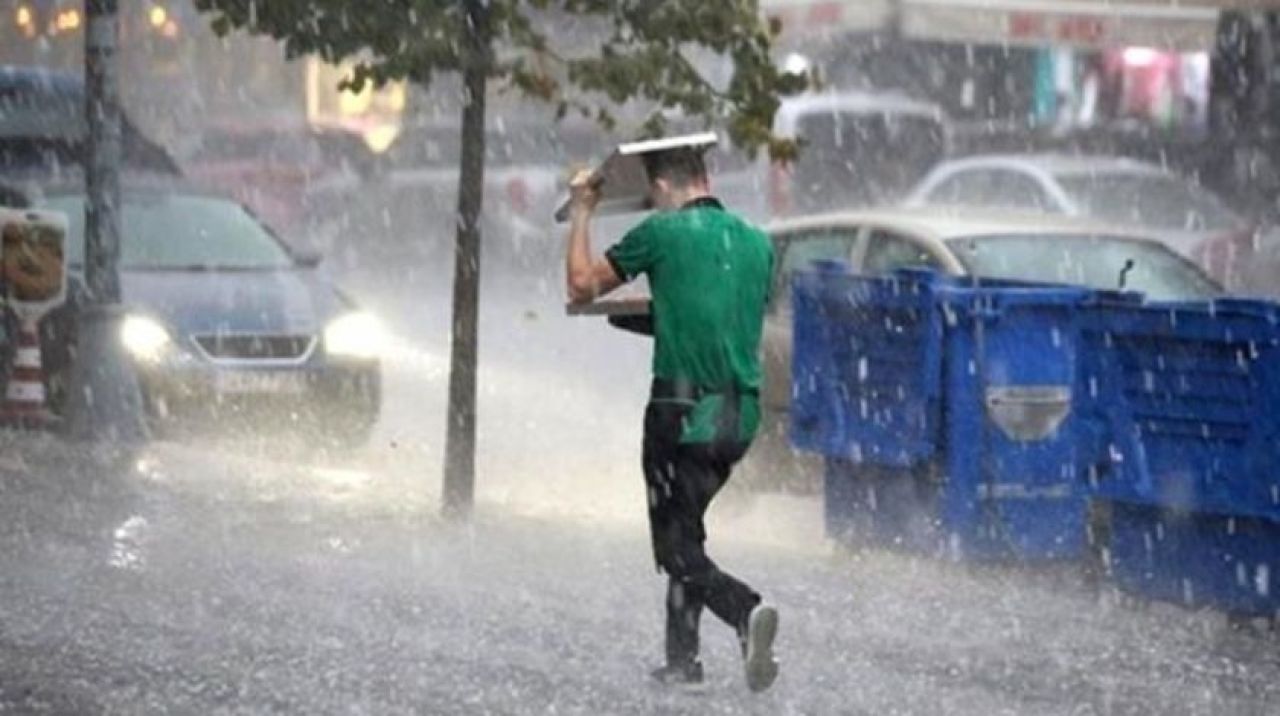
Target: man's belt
685, 390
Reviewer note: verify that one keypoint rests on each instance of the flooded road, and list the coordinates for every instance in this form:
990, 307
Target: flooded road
232, 578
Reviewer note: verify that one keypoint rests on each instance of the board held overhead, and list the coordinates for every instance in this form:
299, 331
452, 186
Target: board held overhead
624, 185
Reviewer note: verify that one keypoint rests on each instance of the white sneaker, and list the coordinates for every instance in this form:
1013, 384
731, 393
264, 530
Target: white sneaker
761, 667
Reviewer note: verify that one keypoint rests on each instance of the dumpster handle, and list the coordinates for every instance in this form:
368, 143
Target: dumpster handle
999, 529
991, 506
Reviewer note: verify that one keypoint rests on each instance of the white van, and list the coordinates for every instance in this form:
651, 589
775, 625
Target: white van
858, 148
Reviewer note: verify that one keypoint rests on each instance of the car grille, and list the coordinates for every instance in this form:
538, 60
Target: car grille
269, 347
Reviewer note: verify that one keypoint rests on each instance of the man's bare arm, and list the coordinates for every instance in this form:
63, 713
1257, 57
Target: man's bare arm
586, 276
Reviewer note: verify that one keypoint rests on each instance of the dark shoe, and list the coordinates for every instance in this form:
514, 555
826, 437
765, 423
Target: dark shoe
757, 645
679, 674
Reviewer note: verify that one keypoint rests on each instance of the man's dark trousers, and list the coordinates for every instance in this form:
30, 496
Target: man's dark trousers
681, 480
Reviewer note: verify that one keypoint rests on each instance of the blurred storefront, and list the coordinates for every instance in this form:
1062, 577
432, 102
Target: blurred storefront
177, 76
1084, 88
1189, 66
1191, 83
41, 32
1059, 64
375, 112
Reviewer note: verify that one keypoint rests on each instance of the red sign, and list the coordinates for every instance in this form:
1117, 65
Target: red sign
1026, 25
815, 15
825, 13
1080, 29
1065, 28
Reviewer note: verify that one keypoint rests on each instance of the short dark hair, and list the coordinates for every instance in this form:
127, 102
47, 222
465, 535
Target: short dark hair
678, 166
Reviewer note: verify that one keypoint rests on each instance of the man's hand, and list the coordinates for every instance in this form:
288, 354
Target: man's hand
584, 191
586, 277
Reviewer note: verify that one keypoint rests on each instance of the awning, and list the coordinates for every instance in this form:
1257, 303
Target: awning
1183, 25
828, 16
1064, 23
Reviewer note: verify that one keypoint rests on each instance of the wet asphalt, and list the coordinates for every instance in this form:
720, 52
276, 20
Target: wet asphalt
223, 577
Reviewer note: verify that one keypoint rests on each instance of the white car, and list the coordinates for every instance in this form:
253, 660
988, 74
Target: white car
1019, 246
1123, 192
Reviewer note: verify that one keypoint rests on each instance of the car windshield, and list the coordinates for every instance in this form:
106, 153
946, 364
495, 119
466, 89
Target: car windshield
1093, 261
179, 232
1162, 202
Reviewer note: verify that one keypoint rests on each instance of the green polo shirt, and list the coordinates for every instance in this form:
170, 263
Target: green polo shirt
709, 272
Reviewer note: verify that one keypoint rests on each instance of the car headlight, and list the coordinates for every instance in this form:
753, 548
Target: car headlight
355, 335
145, 338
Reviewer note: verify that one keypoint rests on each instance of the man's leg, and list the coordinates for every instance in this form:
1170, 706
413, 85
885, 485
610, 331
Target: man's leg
700, 473
684, 612
681, 481
662, 426
698, 477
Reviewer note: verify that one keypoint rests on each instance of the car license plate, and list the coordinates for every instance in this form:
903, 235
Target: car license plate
260, 382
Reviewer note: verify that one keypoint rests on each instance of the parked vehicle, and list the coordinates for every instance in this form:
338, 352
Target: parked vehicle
296, 177
227, 326
43, 138
1253, 263
1022, 246
1119, 191
858, 149
525, 173
43, 127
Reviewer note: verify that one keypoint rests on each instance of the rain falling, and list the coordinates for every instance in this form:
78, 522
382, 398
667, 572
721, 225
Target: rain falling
366, 356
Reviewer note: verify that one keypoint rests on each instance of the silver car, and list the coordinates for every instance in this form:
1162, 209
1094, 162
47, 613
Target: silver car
1119, 191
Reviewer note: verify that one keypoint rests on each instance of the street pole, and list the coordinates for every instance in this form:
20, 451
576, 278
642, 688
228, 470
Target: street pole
104, 404
102, 171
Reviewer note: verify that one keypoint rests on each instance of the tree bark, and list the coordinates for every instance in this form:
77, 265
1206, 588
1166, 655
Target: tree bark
104, 402
460, 437
102, 165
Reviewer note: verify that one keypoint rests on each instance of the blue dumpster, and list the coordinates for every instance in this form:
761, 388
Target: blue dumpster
1196, 559
978, 419
944, 409
1188, 397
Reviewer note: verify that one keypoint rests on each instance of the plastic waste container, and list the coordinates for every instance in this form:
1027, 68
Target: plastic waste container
944, 409
1188, 399
989, 420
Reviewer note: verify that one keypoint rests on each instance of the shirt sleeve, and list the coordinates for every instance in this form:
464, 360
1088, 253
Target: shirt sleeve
635, 254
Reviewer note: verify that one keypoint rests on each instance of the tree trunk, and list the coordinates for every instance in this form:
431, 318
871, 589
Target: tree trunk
102, 166
460, 437
104, 403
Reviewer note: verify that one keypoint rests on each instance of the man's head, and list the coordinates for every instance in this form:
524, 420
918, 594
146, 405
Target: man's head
676, 177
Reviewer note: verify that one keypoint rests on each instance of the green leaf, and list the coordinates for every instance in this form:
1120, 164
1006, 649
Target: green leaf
638, 60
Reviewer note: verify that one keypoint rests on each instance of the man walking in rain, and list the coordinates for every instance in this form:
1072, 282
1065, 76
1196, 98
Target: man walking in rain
709, 272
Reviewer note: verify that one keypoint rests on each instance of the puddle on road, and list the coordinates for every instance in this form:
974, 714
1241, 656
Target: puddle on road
128, 544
